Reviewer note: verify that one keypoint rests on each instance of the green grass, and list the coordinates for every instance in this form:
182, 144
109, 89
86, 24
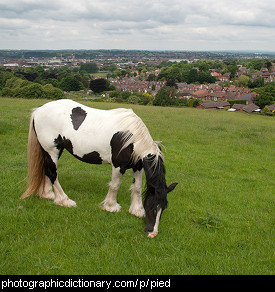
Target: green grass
219, 220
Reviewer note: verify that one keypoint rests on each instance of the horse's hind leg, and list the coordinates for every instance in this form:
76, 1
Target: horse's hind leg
60, 197
110, 203
51, 172
46, 190
136, 207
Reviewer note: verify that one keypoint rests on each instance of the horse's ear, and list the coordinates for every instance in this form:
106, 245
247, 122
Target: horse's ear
171, 187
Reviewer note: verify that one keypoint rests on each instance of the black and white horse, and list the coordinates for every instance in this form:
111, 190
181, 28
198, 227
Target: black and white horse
117, 137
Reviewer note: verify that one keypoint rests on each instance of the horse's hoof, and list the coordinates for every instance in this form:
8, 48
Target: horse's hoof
48, 195
111, 208
66, 203
140, 213
152, 234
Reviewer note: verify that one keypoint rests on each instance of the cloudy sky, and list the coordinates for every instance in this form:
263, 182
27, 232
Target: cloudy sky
138, 24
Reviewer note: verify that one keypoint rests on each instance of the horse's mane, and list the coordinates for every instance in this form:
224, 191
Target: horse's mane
156, 189
136, 132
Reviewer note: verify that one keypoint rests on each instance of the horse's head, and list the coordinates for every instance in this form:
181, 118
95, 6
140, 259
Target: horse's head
156, 193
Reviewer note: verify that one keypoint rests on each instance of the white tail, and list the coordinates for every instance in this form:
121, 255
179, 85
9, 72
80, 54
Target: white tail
36, 161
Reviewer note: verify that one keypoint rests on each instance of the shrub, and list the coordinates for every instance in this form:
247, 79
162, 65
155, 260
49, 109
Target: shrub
190, 102
7, 92
16, 87
115, 94
133, 99
51, 92
146, 98
16, 82
33, 90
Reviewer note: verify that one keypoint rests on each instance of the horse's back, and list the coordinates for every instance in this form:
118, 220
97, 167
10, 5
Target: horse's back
86, 128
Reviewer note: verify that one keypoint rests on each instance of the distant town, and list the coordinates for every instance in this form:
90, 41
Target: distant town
207, 77
122, 58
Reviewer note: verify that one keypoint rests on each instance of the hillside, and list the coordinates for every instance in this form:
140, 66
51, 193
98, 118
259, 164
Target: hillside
219, 219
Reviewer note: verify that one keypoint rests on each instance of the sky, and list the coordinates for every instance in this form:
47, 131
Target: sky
186, 25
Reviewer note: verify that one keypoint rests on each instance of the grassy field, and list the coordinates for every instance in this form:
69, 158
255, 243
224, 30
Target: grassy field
220, 218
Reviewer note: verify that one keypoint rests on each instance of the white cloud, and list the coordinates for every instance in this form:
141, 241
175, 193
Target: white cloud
140, 24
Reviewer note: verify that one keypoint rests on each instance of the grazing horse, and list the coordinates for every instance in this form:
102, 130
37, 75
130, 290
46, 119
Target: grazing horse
117, 137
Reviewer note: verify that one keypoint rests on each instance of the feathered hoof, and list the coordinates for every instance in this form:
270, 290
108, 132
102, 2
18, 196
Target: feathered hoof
65, 203
115, 207
138, 212
48, 195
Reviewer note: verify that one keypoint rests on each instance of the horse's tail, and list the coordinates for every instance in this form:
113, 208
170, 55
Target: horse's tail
36, 161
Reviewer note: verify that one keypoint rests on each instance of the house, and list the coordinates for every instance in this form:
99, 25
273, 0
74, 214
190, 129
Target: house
271, 107
268, 77
249, 97
231, 96
224, 77
214, 105
201, 94
217, 95
236, 107
216, 74
250, 108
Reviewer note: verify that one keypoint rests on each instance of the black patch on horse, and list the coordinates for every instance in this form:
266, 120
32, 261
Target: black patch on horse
92, 157
50, 167
61, 143
123, 158
78, 116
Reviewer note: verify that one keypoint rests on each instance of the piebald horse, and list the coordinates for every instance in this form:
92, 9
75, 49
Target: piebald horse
117, 137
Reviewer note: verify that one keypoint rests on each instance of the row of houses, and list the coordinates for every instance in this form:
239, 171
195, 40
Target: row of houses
246, 108
249, 108
268, 76
135, 84
215, 92
207, 92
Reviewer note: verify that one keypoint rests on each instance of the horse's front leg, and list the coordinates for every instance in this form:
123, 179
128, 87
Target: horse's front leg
136, 207
110, 203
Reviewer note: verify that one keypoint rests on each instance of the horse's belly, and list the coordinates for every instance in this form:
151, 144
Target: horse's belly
89, 147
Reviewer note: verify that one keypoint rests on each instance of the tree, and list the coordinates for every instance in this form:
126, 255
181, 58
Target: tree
151, 77
203, 65
233, 68
166, 96
4, 76
193, 76
264, 99
242, 81
99, 85
70, 83
257, 82
266, 95
39, 69
172, 83
89, 67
